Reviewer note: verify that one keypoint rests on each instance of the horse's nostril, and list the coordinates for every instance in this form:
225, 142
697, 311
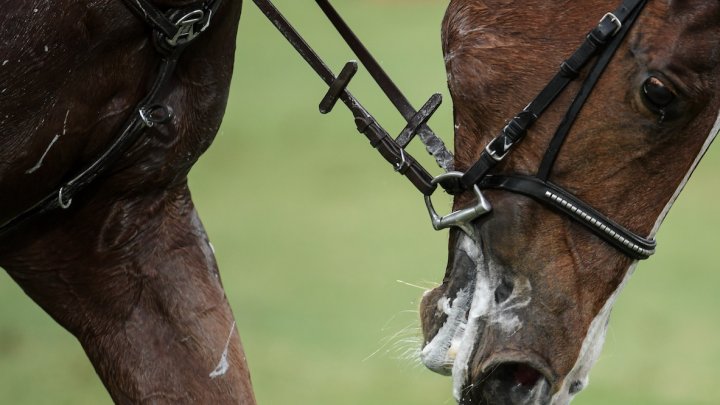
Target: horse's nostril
510, 384
503, 291
525, 375
576, 387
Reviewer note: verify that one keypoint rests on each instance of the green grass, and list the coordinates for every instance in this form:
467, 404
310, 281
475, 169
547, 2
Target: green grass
312, 230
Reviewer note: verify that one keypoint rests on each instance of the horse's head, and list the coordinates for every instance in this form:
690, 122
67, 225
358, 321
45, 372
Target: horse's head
522, 311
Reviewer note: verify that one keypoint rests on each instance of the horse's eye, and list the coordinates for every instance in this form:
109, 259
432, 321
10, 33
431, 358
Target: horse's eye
656, 93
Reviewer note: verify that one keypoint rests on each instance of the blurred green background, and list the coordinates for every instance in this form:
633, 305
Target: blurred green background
313, 231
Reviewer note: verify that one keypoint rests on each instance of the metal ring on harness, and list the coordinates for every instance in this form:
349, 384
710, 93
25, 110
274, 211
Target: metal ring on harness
461, 217
155, 114
63, 204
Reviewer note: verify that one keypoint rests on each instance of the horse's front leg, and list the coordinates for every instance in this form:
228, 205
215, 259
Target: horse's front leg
136, 282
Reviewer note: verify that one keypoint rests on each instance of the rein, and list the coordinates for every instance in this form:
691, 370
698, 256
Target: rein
599, 46
173, 31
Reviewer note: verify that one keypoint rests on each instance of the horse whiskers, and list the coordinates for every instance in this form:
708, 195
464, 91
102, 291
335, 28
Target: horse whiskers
430, 284
404, 345
408, 351
392, 318
390, 341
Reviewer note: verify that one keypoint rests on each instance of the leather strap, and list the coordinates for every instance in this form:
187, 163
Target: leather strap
433, 144
144, 115
517, 128
563, 202
588, 85
366, 124
155, 18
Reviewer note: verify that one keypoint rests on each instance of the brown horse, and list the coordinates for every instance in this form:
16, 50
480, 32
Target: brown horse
522, 311
127, 268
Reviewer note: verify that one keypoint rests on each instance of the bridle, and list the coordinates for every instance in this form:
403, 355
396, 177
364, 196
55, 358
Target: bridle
601, 44
173, 30
599, 47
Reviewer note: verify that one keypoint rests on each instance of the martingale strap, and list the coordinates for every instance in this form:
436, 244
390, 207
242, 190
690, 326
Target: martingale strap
173, 31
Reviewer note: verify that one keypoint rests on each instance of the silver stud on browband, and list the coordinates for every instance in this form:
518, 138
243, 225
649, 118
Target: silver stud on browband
597, 223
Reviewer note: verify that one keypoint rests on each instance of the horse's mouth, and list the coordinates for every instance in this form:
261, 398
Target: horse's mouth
478, 297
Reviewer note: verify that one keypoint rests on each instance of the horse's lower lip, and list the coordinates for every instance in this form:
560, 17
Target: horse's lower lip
510, 379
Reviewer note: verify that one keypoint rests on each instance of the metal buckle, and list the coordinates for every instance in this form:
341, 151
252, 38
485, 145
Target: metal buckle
61, 200
458, 218
186, 27
495, 155
613, 18
155, 114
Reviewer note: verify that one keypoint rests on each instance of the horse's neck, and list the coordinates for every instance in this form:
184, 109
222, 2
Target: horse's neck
140, 290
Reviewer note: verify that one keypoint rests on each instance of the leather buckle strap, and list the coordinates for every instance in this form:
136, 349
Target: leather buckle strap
586, 88
610, 19
608, 26
174, 28
189, 26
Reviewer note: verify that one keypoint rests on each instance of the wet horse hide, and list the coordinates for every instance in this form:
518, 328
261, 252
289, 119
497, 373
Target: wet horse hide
106, 105
105, 111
